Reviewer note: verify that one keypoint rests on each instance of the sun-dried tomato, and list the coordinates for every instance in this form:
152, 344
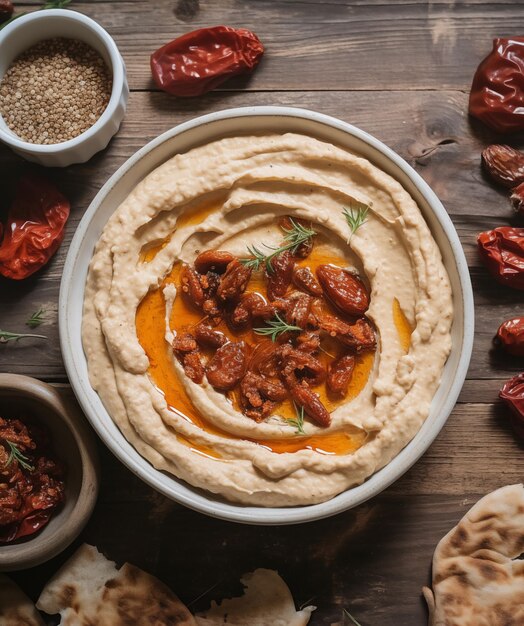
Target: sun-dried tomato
340, 373
264, 359
228, 366
186, 350
185, 343
208, 337
251, 307
344, 289
513, 395
35, 227
213, 261
301, 366
32, 483
304, 279
304, 397
259, 396
279, 279
511, 336
191, 286
234, 281
203, 59
502, 250
262, 372
308, 341
497, 92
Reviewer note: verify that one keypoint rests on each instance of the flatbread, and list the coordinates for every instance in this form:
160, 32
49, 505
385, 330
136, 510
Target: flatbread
16, 609
89, 590
267, 601
478, 578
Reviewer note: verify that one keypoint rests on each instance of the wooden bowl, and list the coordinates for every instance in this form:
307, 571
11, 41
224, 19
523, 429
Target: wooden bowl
74, 444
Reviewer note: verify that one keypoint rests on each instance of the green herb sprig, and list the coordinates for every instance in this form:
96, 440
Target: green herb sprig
276, 327
15, 454
353, 620
294, 237
298, 422
6, 336
52, 4
36, 318
356, 216
56, 4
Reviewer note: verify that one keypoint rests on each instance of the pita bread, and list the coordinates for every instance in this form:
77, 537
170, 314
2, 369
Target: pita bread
16, 609
267, 601
89, 590
478, 578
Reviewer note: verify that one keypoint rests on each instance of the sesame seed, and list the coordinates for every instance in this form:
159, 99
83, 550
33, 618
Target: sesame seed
60, 85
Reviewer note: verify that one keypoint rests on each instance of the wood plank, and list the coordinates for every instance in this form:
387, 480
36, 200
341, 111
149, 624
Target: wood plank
334, 45
413, 124
372, 560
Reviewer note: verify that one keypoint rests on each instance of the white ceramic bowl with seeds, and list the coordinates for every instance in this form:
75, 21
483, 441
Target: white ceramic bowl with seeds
23, 33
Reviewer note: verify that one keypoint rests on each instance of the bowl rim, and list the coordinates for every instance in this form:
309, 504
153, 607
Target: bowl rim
117, 72
350, 498
34, 551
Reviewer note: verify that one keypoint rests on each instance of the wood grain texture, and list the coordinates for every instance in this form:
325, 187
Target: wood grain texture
400, 70
430, 130
325, 45
372, 560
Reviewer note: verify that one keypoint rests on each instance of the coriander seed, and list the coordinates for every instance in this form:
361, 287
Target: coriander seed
54, 91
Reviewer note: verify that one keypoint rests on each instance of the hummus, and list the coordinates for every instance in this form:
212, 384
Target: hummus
229, 195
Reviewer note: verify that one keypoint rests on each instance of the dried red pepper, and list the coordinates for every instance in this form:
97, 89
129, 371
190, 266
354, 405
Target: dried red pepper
502, 250
497, 92
35, 227
203, 59
510, 336
513, 395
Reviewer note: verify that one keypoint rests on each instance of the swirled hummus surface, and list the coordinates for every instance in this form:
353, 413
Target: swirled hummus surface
230, 195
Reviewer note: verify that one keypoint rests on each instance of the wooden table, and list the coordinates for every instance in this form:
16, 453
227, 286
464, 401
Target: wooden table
400, 70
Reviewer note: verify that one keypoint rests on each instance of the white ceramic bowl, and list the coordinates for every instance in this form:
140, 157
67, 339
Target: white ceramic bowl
26, 31
244, 121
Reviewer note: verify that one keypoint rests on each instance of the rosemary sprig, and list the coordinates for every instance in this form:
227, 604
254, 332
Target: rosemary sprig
14, 453
6, 336
36, 318
294, 236
258, 257
356, 215
275, 328
56, 4
348, 614
298, 422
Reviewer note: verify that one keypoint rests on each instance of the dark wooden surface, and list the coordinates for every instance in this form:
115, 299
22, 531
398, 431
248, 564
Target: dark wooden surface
400, 70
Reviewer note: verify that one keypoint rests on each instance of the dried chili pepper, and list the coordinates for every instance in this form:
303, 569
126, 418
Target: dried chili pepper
510, 336
512, 393
203, 59
502, 250
497, 92
35, 227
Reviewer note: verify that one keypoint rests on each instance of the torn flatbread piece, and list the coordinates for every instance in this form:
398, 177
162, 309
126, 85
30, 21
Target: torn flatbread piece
267, 601
478, 577
16, 609
89, 589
